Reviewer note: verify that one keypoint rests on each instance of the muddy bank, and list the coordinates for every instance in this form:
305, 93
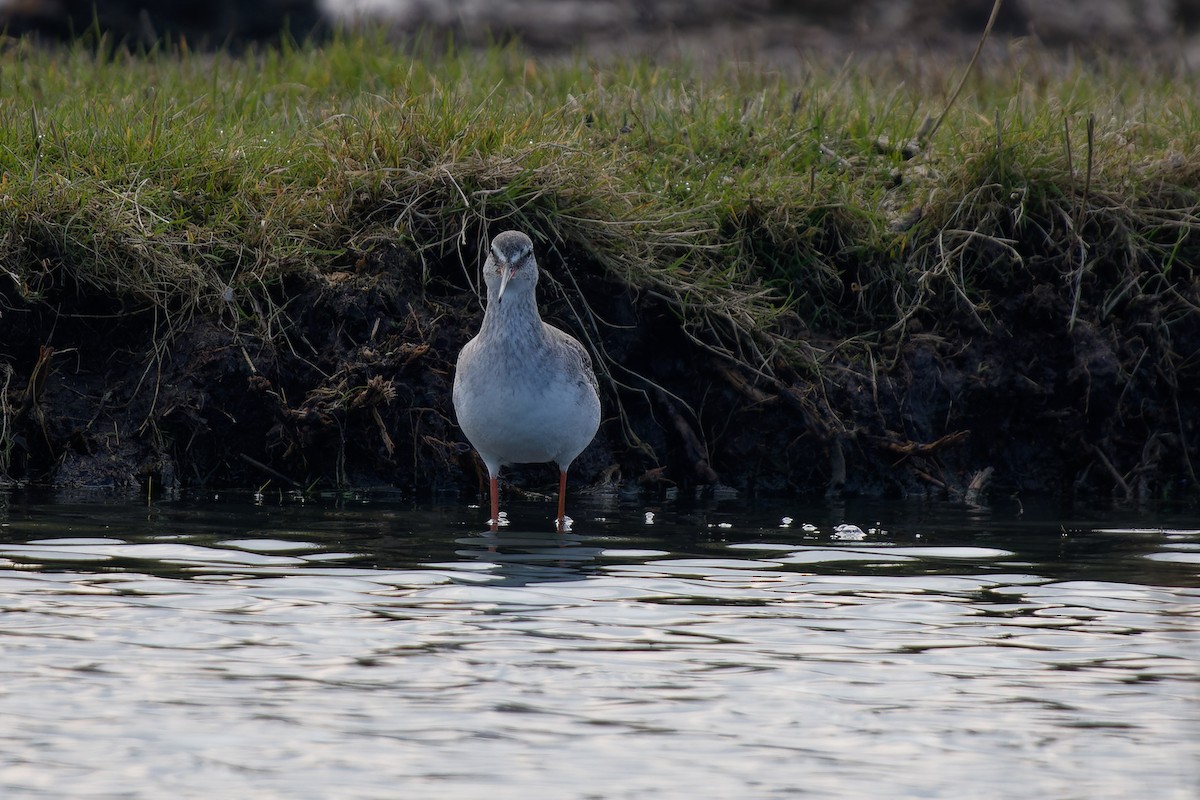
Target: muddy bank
1038, 337
343, 380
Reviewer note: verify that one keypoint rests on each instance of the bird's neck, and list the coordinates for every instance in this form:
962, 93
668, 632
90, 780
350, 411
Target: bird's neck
514, 312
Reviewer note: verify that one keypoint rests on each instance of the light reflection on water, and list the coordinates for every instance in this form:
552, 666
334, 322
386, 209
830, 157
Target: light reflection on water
366, 649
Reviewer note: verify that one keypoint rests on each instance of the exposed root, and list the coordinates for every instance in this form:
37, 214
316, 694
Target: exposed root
907, 448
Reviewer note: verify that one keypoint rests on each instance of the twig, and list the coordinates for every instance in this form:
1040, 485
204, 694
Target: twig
924, 448
1108, 465
977, 486
962, 81
388, 444
837, 466
32, 397
925, 476
695, 450
270, 471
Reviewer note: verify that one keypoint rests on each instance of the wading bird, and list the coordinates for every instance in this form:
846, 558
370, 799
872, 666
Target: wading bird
524, 391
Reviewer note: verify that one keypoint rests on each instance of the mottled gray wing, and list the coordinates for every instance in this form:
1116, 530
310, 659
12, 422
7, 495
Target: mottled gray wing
571, 349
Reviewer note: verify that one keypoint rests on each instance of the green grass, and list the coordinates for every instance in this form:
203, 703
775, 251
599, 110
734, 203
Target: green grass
189, 182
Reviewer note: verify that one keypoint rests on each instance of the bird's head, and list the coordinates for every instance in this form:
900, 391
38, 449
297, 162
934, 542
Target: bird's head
510, 262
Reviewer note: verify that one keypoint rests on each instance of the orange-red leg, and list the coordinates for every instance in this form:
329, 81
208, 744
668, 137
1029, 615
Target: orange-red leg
495, 491
562, 498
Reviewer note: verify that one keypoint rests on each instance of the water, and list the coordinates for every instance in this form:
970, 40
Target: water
361, 648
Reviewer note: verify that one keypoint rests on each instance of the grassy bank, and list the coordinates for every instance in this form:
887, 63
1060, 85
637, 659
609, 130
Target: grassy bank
800, 228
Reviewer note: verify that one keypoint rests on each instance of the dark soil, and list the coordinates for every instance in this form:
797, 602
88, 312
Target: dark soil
346, 383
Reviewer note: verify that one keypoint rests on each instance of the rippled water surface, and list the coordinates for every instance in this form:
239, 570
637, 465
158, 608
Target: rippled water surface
363, 648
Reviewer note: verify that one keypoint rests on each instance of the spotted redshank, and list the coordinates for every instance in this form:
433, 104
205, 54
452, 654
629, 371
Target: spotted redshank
524, 391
